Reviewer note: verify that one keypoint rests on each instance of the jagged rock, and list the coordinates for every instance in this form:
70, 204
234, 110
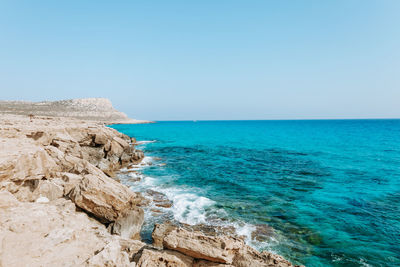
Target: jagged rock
48, 234
33, 166
70, 181
94, 155
31, 190
115, 149
101, 138
213, 250
129, 223
124, 144
165, 258
249, 257
110, 202
159, 232
107, 146
195, 244
45, 161
111, 255
132, 247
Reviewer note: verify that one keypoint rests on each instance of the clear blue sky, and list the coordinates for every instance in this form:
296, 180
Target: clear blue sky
172, 60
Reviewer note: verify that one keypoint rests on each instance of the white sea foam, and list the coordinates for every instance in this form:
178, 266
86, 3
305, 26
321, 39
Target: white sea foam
144, 142
188, 206
245, 230
146, 161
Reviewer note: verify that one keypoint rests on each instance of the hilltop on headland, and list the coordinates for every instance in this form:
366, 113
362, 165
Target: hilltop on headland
93, 109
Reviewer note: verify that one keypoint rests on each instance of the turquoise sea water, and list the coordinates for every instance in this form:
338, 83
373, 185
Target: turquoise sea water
319, 192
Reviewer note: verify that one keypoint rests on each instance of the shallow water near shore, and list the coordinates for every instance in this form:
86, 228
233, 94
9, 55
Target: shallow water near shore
318, 192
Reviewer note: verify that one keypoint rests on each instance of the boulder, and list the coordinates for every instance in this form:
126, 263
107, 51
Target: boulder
101, 138
110, 202
92, 154
197, 245
164, 258
115, 149
124, 144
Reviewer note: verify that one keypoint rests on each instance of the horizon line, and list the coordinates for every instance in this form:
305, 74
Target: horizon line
310, 119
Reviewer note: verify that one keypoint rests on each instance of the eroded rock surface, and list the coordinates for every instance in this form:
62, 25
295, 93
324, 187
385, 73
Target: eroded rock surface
213, 250
60, 206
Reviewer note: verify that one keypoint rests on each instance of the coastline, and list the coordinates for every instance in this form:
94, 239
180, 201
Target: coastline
63, 170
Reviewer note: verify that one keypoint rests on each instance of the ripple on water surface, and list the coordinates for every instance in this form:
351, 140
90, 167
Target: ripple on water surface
321, 193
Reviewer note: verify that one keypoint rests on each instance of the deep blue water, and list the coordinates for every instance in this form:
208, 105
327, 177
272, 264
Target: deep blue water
326, 192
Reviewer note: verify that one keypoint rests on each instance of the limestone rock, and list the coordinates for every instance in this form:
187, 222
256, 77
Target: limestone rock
33, 166
33, 234
129, 223
159, 232
132, 247
111, 256
109, 201
213, 250
249, 257
197, 245
165, 258
7, 199
124, 144
116, 149
204, 263
101, 138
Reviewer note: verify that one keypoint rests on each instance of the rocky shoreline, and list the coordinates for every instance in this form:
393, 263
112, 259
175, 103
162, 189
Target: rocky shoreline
61, 205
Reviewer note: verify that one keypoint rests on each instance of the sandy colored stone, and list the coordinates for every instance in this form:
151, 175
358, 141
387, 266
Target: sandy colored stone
249, 257
213, 250
103, 197
30, 166
115, 149
204, 263
197, 245
47, 234
124, 144
159, 232
132, 247
111, 255
129, 223
163, 258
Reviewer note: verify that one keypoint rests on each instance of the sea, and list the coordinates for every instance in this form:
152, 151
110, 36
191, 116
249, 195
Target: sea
318, 192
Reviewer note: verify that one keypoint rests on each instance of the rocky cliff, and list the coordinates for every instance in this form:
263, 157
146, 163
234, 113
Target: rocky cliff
94, 109
60, 204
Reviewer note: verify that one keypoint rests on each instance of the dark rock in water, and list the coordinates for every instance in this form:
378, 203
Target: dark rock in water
160, 199
262, 233
314, 239
166, 204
